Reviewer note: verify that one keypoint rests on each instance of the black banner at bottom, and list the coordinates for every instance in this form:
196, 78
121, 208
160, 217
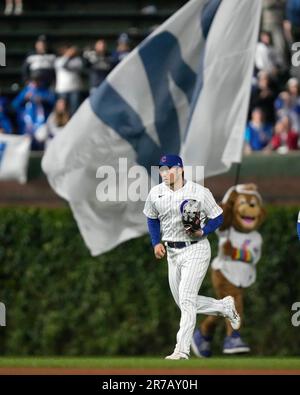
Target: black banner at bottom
94, 384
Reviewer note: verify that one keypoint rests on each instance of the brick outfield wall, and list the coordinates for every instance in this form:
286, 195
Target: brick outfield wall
277, 177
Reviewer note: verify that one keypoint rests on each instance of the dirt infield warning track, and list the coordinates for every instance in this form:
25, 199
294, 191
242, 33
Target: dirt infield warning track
164, 372
148, 366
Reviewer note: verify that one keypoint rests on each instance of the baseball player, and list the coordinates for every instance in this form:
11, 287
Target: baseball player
188, 250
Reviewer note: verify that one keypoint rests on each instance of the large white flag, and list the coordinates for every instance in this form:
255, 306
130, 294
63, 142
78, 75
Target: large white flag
184, 90
14, 157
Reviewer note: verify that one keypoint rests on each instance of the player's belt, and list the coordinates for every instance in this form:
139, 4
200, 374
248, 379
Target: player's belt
180, 244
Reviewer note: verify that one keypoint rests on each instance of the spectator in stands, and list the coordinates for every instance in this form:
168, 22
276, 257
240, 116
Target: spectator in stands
99, 64
288, 104
258, 132
39, 65
9, 7
273, 15
122, 50
69, 68
292, 30
263, 96
5, 124
149, 9
33, 105
265, 56
55, 122
285, 139
292, 22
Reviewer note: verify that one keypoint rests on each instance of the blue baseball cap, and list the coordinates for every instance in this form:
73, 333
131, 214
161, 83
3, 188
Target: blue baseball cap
170, 161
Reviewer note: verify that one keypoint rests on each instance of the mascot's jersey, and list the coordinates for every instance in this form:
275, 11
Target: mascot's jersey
240, 269
164, 203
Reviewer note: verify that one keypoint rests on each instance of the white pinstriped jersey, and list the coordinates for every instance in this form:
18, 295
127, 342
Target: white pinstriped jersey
164, 203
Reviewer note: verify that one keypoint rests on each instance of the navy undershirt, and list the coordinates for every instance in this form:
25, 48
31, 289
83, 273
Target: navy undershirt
154, 227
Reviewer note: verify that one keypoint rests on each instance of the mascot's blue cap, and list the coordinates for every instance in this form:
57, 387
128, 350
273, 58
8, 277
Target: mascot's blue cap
170, 161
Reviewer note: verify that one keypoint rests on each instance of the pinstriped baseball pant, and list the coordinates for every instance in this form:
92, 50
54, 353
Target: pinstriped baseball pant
186, 270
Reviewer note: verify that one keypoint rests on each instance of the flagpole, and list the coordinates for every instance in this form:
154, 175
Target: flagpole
237, 172
236, 181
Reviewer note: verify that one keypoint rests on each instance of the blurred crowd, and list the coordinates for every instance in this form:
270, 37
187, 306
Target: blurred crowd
13, 7
54, 86
274, 111
53, 83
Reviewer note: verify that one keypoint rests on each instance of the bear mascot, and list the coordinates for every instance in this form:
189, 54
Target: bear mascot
234, 268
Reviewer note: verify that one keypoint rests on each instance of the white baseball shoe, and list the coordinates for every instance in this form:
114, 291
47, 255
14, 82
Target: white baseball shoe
230, 312
177, 355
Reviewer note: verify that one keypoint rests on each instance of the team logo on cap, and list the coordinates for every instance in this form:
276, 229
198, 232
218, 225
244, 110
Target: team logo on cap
164, 159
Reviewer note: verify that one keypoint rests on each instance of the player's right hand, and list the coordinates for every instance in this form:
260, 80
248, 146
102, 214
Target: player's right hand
159, 251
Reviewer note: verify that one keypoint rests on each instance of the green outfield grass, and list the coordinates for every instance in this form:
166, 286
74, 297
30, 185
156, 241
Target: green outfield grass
152, 363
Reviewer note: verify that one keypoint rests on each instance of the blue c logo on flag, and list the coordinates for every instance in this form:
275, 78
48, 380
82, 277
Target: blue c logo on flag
161, 57
114, 111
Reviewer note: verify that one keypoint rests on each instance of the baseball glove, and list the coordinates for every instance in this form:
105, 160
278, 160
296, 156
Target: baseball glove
190, 211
